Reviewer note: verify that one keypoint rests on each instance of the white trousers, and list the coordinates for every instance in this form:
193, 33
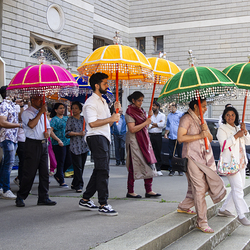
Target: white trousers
235, 199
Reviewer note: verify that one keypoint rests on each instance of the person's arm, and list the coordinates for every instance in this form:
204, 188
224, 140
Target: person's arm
183, 137
204, 127
33, 122
135, 128
53, 135
81, 133
5, 124
110, 120
166, 134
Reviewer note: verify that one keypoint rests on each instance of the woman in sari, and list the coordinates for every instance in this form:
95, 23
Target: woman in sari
201, 171
140, 156
236, 137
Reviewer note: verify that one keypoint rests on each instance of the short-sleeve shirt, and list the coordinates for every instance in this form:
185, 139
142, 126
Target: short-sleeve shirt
96, 108
59, 125
77, 143
173, 120
36, 133
8, 109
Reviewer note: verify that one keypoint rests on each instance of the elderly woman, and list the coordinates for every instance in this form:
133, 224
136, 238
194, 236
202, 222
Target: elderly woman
201, 173
236, 137
140, 155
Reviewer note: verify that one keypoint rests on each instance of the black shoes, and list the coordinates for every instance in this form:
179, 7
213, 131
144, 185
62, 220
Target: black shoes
152, 195
46, 202
133, 196
123, 163
19, 202
117, 163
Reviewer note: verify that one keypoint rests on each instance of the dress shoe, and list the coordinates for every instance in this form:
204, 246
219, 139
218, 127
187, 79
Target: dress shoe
117, 163
46, 202
133, 196
152, 195
19, 202
123, 163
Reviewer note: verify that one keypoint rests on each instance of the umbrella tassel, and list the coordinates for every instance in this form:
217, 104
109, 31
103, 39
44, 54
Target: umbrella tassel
202, 119
84, 123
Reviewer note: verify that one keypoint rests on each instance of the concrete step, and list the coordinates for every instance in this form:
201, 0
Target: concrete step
239, 239
172, 228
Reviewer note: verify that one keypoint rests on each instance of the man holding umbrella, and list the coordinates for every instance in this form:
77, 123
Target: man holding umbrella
99, 120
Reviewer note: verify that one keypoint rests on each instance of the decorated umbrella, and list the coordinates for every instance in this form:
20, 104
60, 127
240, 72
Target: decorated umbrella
163, 70
43, 80
198, 82
119, 62
240, 74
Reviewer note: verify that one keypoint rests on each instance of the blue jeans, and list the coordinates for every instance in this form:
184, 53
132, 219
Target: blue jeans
9, 151
119, 147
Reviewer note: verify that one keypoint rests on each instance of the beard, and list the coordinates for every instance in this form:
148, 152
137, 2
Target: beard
103, 91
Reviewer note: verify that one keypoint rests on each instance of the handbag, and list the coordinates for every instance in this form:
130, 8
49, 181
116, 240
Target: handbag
224, 168
179, 164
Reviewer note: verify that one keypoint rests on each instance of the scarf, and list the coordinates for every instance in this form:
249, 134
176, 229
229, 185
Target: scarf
142, 137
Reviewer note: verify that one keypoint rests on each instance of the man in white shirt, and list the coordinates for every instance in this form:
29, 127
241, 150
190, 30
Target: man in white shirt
158, 121
98, 121
36, 153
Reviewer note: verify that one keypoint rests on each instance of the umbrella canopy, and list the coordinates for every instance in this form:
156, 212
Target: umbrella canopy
163, 69
239, 73
209, 82
118, 60
43, 79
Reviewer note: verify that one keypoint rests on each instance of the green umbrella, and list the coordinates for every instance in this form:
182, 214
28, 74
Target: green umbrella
240, 74
197, 82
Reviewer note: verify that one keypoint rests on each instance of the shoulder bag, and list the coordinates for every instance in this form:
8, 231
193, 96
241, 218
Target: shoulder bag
224, 168
179, 164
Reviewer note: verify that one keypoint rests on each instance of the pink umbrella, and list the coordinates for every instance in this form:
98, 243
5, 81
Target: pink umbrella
44, 80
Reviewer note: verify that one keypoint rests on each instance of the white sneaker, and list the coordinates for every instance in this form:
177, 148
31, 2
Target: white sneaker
8, 195
1, 192
159, 173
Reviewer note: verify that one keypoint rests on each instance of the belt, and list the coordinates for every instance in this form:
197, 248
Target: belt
38, 141
155, 133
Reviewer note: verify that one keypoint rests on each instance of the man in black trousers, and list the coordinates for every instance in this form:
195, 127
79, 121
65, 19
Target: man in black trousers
36, 153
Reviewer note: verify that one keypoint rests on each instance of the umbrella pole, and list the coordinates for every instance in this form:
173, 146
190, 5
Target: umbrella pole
153, 94
202, 121
84, 123
116, 85
45, 124
244, 107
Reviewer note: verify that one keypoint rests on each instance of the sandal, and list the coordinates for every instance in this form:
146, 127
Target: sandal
57, 179
78, 190
189, 211
206, 229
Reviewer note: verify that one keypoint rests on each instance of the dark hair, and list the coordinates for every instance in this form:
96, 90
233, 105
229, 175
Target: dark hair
135, 95
3, 91
49, 109
156, 103
78, 104
97, 78
56, 106
195, 101
228, 105
237, 121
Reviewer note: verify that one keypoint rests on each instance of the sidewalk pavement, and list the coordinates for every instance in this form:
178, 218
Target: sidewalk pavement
66, 226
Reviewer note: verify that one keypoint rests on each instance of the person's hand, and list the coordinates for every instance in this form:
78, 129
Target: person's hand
117, 105
46, 134
240, 133
150, 113
43, 108
60, 143
148, 121
204, 134
243, 126
204, 127
82, 133
115, 117
166, 136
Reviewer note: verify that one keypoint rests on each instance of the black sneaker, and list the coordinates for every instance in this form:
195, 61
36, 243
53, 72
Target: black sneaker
107, 210
171, 173
19, 202
46, 202
87, 205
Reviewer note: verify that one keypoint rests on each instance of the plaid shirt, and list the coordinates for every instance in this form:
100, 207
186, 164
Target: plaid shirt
8, 109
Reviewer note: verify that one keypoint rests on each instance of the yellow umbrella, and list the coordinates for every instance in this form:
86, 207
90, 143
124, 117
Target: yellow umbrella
163, 70
119, 62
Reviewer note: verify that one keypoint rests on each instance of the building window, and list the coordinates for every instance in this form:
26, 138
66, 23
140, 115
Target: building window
141, 44
158, 43
98, 42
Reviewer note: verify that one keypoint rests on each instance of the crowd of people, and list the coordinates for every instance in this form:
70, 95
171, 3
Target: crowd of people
138, 144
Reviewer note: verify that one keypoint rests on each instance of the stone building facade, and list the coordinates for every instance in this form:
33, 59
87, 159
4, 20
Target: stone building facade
217, 31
